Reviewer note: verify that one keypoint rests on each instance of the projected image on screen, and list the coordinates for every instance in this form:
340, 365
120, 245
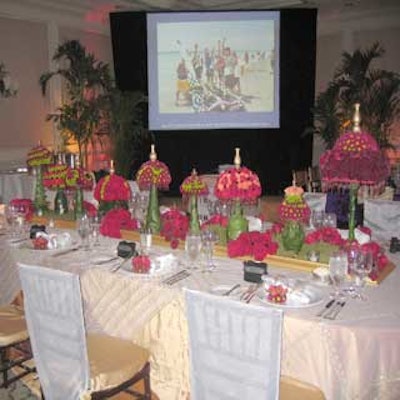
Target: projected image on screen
213, 70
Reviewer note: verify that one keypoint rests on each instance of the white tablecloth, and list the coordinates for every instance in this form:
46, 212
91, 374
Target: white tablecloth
356, 356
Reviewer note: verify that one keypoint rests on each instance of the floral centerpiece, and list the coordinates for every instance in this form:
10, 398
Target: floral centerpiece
54, 178
293, 213
192, 187
112, 191
217, 223
174, 226
38, 157
355, 160
115, 220
239, 185
153, 175
141, 264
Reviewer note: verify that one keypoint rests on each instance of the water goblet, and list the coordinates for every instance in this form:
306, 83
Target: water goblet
193, 244
317, 219
84, 230
11, 214
208, 239
355, 259
146, 240
330, 220
95, 222
361, 270
338, 266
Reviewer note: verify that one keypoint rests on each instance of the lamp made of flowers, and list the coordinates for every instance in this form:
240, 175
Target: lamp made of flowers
355, 160
54, 179
112, 191
79, 180
238, 185
192, 187
293, 213
38, 158
153, 175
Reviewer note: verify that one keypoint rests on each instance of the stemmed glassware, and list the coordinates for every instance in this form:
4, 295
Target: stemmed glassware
338, 266
193, 245
208, 240
95, 222
84, 230
361, 270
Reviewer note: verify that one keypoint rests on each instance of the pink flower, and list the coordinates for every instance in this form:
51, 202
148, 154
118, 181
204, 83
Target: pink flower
153, 173
24, 206
112, 188
174, 225
115, 220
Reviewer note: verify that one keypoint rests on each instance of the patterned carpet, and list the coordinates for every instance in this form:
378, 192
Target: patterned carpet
29, 390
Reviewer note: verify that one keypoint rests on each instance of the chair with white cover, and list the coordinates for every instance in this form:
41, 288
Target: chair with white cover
70, 362
383, 218
235, 348
235, 352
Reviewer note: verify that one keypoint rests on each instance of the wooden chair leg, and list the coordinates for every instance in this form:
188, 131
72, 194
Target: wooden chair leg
147, 389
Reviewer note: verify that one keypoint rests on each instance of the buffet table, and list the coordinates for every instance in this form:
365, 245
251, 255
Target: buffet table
356, 356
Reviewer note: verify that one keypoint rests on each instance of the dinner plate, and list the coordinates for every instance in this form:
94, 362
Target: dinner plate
28, 244
160, 266
306, 296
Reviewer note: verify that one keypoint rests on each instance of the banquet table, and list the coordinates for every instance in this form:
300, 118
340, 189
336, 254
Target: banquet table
356, 356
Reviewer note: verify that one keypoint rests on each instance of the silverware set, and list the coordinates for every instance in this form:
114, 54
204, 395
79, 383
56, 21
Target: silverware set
331, 309
176, 277
248, 294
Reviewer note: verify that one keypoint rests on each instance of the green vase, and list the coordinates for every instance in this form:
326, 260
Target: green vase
293, 236
194, 226
78, 207
40, 193
237, 222
60, 202
153, 218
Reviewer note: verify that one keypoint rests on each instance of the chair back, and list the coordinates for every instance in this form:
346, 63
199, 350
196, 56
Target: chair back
383, 218
235, 348
53, 309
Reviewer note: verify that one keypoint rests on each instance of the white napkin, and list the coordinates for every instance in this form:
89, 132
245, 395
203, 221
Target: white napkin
163, 262
298, 297
255, 224
361, 237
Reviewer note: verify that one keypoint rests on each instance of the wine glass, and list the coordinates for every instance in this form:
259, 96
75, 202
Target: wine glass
11, 214
338, 266
95, 222
355, 260
208, 240
317, 219
193, 244
362, 270
84, 230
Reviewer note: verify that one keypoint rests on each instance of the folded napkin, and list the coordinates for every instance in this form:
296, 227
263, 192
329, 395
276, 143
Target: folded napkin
361, 237
298, 297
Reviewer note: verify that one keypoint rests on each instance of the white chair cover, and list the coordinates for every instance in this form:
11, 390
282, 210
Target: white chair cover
235, 349
54, 315
316, 201
383, 218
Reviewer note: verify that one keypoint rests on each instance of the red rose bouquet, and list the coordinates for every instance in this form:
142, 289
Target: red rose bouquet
115, 220
174, 226
141, 264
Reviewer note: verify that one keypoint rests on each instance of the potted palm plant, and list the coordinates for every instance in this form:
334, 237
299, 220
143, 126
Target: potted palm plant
356, 81
87, 86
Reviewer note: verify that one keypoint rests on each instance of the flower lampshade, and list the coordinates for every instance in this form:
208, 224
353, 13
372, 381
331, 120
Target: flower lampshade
112, 190
293, 206
153, 175
355, 160
153, 172
191, 187
54, 177
38, 156
240, 185
79, 177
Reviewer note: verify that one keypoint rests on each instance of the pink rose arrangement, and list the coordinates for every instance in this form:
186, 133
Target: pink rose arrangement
194, 185
112, 188
153, 172
325, 234
141, 264
24, 206
115, 220
255, 244
238, 184
89, 208
174, 226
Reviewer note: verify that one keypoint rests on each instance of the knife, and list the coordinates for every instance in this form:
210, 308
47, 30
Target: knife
228, 292
61, 253
326, 308
337, 310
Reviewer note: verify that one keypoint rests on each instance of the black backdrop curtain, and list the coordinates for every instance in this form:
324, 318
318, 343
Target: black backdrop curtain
272, 153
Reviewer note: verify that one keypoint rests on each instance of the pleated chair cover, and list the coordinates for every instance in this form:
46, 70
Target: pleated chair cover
54, 315
235, 349
383, 218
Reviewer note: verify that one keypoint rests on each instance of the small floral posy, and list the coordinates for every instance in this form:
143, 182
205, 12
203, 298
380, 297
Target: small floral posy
141, 264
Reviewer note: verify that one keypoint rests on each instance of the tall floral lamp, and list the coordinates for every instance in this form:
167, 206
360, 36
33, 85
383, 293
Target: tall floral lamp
192, 187
241, 186
112, 191
354, 161
153, 175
